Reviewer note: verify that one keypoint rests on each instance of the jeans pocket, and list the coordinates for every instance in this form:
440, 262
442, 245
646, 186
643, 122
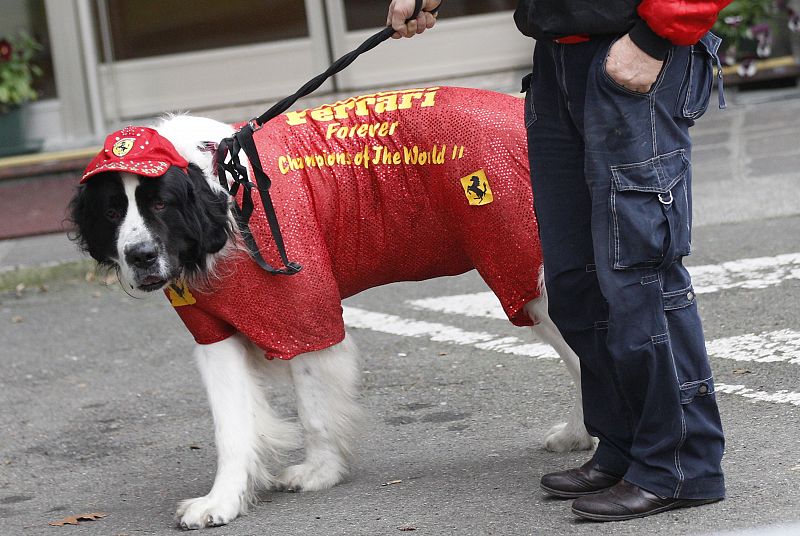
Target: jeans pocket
530, 110
649, 207
622, 89
698, 80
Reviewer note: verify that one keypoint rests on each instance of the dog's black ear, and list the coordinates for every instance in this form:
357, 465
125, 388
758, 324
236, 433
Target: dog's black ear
211, 210
89, 230
77, 217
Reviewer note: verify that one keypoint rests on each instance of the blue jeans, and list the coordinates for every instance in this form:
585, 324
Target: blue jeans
611, 177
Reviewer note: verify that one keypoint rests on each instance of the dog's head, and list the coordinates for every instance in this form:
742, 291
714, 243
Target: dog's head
145, 210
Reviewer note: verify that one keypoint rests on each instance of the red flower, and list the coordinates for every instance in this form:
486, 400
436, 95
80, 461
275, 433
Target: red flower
5, 50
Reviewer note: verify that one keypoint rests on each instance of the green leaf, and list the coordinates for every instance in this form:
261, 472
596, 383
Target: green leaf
18, 73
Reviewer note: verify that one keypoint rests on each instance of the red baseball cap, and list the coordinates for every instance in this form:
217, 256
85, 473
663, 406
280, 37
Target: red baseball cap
138, 150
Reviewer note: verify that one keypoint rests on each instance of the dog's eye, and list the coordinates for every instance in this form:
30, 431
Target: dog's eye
113, 214
159, 205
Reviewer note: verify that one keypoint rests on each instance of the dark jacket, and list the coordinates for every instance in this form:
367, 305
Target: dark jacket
654, 25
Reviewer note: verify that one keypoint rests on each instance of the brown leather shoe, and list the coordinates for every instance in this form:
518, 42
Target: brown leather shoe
628, 501
587, 479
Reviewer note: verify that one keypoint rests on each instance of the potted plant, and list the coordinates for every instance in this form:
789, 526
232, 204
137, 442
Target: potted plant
753, 30
17, 73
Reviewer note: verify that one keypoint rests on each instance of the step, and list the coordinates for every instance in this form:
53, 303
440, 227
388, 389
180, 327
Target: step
35, 191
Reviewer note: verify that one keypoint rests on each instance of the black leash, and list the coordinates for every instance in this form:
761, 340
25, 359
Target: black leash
227, 157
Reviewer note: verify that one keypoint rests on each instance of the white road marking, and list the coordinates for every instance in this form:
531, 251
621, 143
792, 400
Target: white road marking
394, 325
770, 347
755, 273
478, 304
774, 346
778, 397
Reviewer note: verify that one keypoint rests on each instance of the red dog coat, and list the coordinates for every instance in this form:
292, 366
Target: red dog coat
395, 186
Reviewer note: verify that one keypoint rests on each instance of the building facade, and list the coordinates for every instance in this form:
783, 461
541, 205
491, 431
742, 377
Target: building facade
110, 62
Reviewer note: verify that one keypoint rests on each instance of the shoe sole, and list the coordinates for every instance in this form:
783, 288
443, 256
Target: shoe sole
602, 517
570, 494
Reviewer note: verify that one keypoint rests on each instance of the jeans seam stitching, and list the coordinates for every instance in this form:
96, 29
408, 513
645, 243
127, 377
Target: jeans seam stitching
687, 113
616, 262
678, 455
653, 124
682, 439
672, 293
648, 161
657, 85
696, 382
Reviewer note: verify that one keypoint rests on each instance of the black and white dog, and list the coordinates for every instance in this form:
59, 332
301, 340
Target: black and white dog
162, 217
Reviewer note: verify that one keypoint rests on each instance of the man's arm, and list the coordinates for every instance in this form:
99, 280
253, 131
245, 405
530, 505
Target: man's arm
636, 59
401, 10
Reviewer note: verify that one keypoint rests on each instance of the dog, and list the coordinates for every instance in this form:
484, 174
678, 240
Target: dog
392, 186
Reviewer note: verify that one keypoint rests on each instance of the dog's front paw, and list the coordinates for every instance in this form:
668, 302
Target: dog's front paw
207, 511
563, 438
310, 477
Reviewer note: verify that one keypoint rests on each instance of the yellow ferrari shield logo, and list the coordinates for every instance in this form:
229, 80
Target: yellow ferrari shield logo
179, 295
123, 146
476, 188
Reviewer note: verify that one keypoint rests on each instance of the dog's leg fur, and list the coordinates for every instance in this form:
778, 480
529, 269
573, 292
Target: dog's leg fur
249, 436
326, 385
570, 435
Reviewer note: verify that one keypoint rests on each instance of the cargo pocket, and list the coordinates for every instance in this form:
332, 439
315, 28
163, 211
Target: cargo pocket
698, 81
649, 207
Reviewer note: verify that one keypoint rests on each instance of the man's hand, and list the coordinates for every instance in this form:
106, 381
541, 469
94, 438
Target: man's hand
631, 67
400, 10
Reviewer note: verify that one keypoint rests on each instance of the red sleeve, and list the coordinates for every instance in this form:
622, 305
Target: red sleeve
681, 22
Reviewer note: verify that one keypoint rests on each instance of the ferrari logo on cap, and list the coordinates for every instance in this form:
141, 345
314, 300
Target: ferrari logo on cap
179, 294
476, 188
123, 146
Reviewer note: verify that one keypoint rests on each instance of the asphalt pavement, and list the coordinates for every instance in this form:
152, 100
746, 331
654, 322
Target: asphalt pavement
101, 409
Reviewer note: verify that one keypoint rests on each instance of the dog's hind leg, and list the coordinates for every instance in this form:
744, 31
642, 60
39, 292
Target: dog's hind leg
326, 384
237, 401
570, 435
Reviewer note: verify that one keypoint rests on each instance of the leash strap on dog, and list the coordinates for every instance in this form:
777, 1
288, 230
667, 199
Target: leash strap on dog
227, 157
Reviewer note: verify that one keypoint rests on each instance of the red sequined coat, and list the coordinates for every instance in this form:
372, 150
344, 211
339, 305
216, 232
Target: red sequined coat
395, 186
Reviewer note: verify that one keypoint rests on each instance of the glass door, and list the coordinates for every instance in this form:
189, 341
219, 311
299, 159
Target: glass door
471, 36
163, 55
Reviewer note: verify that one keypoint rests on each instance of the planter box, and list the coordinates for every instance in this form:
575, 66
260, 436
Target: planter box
12, 134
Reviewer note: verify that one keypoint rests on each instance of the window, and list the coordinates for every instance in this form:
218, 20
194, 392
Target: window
146, 28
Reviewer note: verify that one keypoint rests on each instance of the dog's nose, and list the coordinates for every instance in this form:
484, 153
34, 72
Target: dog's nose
142, 255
